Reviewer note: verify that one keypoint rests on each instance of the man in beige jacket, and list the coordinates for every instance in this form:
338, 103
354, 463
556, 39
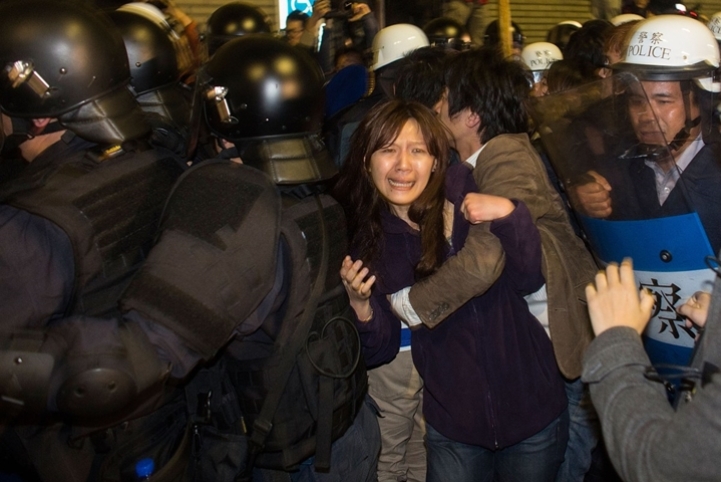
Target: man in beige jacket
484, 110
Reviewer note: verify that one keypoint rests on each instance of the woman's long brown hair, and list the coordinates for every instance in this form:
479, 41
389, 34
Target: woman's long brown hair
360, 198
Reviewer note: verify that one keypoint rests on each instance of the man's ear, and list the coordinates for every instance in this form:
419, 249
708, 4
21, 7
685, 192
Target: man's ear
473, 120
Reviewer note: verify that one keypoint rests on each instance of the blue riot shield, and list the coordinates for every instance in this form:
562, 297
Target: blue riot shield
640, 188
669, 260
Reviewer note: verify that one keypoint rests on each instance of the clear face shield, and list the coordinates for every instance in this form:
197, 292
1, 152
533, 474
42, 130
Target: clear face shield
627, 153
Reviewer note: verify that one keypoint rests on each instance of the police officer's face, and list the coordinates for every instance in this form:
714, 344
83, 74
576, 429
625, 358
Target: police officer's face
540, 88
666, 107
401, 170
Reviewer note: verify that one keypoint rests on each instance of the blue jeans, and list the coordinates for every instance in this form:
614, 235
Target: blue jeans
584, 433
535, 459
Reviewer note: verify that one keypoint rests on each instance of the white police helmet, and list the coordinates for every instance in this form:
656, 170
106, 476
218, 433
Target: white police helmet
670, 48
395, 42
539, 56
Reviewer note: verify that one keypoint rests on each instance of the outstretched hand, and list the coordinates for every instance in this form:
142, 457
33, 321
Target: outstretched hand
696, 309
614, 299
354, 274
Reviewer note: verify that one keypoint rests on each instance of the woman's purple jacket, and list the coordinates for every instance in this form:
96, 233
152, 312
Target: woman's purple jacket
490, 376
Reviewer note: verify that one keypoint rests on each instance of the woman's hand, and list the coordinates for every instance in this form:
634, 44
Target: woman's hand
479, 208
615, 300
358, 287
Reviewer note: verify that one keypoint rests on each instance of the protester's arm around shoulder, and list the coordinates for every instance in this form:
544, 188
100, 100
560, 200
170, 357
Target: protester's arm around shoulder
512, 224
505, 168
469, 273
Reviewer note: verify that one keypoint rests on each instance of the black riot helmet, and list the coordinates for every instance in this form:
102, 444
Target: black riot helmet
155, 77
446, 32
492, 38
560, 34
234, 20
62, 60
266, 96
151, 53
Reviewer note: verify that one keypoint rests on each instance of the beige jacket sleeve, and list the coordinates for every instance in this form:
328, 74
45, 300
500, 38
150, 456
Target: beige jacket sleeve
505, 168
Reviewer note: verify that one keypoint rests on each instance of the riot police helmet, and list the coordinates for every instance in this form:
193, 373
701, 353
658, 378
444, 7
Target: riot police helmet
492, 36
184, 53
672, 48
63, 60
234, 20
446, 32
266, 96
155, 76
560, 33
538, 57
151, 54
394, 42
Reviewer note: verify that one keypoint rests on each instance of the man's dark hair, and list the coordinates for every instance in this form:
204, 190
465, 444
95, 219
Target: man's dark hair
494, 88
420, 77
565, 75
297, 15
586, 47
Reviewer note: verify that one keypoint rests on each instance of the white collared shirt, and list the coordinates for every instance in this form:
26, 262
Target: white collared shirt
666, 181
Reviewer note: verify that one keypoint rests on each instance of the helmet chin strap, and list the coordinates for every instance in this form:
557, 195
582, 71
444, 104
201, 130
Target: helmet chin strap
682, 136
23, 130
657, 152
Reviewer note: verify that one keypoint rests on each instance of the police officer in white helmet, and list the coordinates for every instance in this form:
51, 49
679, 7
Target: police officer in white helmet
676, 59
538, 57
644, 176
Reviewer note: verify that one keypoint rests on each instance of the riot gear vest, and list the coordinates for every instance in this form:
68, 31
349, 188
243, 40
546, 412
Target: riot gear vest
108, 204
214, 264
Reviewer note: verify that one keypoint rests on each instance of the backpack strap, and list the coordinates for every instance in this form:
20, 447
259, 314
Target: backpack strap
264, 422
